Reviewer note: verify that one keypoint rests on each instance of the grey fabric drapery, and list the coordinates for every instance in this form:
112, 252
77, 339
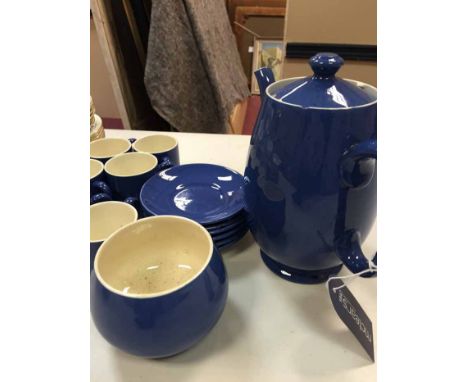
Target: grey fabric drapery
193, 73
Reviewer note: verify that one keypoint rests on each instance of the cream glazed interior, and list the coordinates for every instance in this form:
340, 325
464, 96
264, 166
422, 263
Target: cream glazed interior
131, 164
153, 256
108, 217
109, 147
95, 168
155, 144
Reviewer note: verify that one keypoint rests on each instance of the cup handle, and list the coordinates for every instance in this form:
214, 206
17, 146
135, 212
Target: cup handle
354, 176
164, 164
132, 141
98, 186
100, 197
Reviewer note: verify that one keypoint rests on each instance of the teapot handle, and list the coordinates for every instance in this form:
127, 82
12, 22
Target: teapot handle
349, 250
348, 243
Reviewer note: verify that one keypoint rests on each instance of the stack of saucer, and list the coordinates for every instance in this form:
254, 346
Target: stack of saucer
209, 194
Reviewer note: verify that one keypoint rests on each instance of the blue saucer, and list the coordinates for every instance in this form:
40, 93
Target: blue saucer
228, 234
205, 193
231, 240
235, 219
228, 228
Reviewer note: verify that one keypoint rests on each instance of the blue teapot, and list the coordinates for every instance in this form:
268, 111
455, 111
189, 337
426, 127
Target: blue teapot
311, 176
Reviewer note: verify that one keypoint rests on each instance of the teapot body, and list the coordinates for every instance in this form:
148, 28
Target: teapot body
301, 193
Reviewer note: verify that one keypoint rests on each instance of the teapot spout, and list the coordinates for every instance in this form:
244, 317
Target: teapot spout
264, 77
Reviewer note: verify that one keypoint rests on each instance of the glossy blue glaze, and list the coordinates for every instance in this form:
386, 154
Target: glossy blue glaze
128, 186
232, 220
202, 192
94, 246
221, 244
228, 234
298, 275
100, 197
348, 249
227, 228
99, 190
323, 89
100, 186
311, 179
168, 159
161, 326
264, 78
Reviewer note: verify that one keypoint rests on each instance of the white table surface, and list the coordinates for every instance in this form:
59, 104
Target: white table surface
271, 329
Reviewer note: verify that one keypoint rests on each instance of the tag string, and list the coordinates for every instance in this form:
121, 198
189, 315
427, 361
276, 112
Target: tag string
350, 278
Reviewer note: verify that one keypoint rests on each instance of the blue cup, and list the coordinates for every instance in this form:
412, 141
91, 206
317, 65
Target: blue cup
105, 148
164, 147
158, 286
126, 173
99, 190
96, 170
106, 218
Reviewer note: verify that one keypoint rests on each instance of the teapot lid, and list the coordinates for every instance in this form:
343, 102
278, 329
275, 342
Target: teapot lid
323, 90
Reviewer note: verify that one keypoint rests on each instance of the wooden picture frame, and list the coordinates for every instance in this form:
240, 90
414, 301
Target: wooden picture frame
240, 14
268, 53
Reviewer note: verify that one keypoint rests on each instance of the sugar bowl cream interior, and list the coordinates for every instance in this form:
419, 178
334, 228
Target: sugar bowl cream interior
105, 148
158, 286
130, 265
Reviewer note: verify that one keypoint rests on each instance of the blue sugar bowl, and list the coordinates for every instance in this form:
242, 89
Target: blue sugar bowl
311, 176
158, 286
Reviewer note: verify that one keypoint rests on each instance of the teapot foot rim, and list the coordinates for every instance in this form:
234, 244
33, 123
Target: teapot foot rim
299, 276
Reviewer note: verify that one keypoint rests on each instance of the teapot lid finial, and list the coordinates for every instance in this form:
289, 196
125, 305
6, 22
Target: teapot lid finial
325, 64
323, 90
